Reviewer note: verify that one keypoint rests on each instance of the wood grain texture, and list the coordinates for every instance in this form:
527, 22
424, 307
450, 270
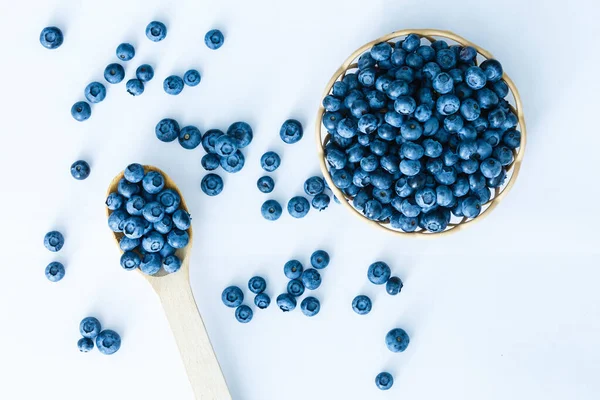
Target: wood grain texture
175, 293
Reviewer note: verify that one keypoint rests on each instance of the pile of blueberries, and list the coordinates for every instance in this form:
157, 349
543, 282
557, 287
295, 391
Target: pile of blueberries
151, 220
107, 341
420, 132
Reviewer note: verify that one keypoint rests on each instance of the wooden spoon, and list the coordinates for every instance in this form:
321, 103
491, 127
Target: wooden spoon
176, 296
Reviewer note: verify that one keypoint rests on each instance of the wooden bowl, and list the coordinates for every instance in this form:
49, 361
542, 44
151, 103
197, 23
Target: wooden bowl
456, 224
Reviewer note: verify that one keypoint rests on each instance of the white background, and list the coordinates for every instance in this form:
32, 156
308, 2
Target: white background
507, 309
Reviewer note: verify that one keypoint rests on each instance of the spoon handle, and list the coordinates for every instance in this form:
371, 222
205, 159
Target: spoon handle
198, 356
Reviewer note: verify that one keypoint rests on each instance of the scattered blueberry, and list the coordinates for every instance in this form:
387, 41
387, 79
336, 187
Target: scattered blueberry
114, 73
233, 163
295, 287
314, 186
85, 344
210, 161
291, 131
80, 170
191, 77
135, 87
232, 296
54, 241
270, 161
81, 111
271, 210
51, 37
310, 306
362, 305
379, 273
394, 285
95, 92
108, 342
214, 39
89, 327
156, 31
384, 380
293, 269
167, 130
243, 314
173, 85
212, 184
286, 302
321, 201
190, 137
298, 207
311, 279
257, 284
55, 271
241, 132
397, 340
225, 146
262, 300
319, 259
125, 52
144, 73
265, 184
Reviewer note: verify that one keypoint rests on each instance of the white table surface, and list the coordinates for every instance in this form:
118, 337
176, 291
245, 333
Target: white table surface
507, 309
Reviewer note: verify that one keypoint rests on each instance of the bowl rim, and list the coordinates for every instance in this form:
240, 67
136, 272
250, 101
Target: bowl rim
501, 192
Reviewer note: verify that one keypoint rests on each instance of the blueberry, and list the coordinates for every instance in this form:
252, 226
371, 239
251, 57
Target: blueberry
51, 37
446, 58
243, 314
232, 296
314, 186
310, 306
108, 342
471, 207
384, 380
298, 207
512, 138
504, 155
438, 45
257, 284
270, 161
443, 83
95, 92
135, 205
381, 51
191, 77
265, 184
89, 327
153, 242
54, 241
81, 111
167, 130
214, 39
397, 340
295, 287
319, 259
500, 88
127, 244
156, 31
178, 238
447, 104
382, 83
486, 98
114, 73
114, 201
497, 181
463, 91
331, 103
210, 161
116, 220
144, 73
169, 199
394, 285
311, 278
125, 52
80, 170
411, 42
286, 302
434, 221
153, 182
426, 52
483, 195
293, 269
467, 149
492, 69
173, 85
241, 132
405, 105
331, 120
410, 167
133, 227
339, 89
262, 300
55, 271
373, 210
492, 136
135, 87
321, 201
190, 137
171, 264
378, 273
411, 130
362, 305
481, 124
414, 60
291, 131
476, 181
212, 184
271, 210
151, 262
490, 168
167, 250
85, 344
406, 74
367, 76
233, 163
351, 81
469, 166
397, 88
366, 124
426, 197
407, 224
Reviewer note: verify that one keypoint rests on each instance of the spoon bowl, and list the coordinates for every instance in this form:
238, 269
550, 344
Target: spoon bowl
176, 296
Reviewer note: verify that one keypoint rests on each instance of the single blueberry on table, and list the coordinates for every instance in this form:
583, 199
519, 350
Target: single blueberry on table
286, 302
241, 132
257, 284
85, 344
384, 380
51, 37
232, 296
144, 73
54, 241
379, 273
293, 269
265, 184
214, 39
191, 77
114, 73
311, 278
243, 314
210, 161
233, 163
190, 137
394, 285
270, 161
212, 184
271, 210
153, 242
153, 182
81, 111
291, 131
55, 271
114, 201
173, 85
125, 52
319, 259
262, 300
108, 342
310, 306
167, 130
314, 186
135, 205
135, 87
397, 340
156, 31
298, 207
295, 287
90, 327
362, 305
95, 92
178, 238
127, 244
80, 170
116, 220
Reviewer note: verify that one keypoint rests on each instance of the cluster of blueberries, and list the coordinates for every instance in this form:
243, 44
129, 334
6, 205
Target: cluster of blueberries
151, 221
107, 341
420, 132
300, 279
54, 241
